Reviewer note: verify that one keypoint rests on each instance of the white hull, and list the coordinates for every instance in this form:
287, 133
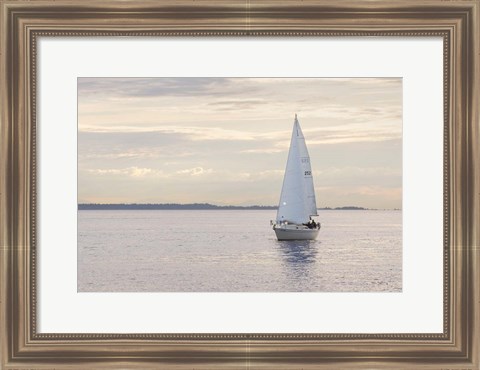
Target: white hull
295, 234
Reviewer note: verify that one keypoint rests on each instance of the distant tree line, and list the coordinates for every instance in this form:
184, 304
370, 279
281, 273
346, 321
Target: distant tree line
166, 206
191, 206
346, 208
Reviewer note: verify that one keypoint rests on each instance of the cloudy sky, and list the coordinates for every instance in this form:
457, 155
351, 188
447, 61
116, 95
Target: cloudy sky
225, 140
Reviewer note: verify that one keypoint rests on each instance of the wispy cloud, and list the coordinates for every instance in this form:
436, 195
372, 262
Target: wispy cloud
130, 171
194, 133
144, 87
262, 151
196, 171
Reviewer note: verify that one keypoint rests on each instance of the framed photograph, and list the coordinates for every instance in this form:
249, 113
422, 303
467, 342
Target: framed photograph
226, 184
208, 178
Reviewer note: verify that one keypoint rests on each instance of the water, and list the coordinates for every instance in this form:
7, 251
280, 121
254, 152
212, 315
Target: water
236, 251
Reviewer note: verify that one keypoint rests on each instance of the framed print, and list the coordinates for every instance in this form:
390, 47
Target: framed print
240, 184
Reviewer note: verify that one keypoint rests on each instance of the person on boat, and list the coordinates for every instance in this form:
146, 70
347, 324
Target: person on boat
311, 224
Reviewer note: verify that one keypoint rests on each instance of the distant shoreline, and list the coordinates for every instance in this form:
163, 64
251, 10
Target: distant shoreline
200, 206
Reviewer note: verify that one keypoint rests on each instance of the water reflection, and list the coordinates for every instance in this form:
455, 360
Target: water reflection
299, 258
299, 251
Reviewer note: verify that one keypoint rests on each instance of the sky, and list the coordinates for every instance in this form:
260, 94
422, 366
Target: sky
225, 140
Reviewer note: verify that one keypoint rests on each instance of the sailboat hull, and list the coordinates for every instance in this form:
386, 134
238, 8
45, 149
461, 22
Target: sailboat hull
296, 234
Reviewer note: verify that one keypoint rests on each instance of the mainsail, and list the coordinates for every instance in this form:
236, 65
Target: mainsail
297, 200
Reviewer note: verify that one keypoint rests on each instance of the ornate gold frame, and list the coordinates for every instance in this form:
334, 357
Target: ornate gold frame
22, 22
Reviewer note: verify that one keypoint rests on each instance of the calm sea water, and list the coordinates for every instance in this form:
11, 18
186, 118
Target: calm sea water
236, 251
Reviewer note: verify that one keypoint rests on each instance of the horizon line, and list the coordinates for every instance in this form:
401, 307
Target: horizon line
216, 206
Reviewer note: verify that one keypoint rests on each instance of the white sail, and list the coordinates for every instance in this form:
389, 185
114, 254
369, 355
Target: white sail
297, 200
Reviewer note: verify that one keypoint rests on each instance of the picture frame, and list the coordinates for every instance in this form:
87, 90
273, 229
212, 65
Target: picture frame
23, 22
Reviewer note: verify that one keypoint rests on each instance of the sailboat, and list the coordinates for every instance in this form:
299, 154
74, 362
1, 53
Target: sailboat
297, 203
